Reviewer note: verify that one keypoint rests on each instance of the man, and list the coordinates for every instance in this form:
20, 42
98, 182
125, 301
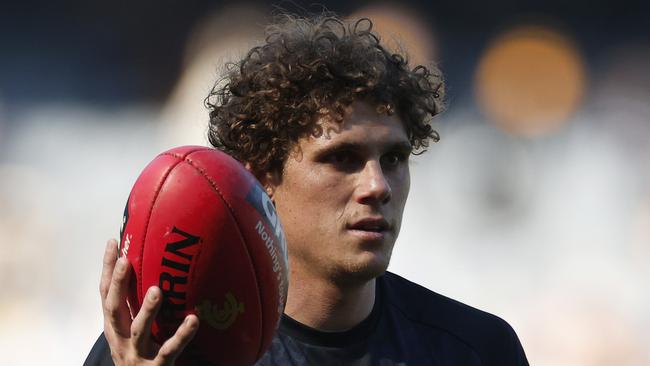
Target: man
326, 118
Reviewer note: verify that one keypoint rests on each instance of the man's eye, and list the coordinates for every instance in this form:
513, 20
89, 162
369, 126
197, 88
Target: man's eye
344, 160
393, 159
341, 157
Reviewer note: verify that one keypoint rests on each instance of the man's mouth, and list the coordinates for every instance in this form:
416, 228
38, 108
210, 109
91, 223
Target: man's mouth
370, 228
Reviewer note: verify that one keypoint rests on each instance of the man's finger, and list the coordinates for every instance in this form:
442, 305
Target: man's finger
141, 326
115, 308
108, 264
173, 347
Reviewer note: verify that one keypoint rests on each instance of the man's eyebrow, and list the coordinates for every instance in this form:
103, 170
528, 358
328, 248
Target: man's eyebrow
342, 146
402, 146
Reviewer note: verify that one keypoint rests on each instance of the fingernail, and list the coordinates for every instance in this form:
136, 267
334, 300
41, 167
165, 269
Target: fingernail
152, 294
188, 322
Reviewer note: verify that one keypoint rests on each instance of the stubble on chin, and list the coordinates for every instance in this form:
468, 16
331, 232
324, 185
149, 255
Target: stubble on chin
357, 273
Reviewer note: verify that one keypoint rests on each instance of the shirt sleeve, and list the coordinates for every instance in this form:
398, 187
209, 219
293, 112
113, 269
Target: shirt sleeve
100, 354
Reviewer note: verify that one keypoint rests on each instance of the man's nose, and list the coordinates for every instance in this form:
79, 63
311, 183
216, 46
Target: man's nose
373, 186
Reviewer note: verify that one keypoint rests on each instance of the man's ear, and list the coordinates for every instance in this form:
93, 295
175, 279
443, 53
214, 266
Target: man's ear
268, 180
270, 190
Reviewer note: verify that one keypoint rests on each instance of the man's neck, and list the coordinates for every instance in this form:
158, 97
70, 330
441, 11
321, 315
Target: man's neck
326, 306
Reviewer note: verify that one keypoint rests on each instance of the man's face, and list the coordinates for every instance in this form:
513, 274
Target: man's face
342, 195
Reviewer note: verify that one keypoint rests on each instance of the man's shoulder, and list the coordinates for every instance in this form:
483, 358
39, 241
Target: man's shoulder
485, 333
421, 304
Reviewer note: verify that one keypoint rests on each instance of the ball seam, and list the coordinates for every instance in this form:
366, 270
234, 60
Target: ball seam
146, 226
214, 185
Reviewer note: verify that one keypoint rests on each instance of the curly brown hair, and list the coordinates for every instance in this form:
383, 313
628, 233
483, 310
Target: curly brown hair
309, 66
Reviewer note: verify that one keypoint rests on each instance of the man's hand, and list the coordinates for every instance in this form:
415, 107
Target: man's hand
130, 340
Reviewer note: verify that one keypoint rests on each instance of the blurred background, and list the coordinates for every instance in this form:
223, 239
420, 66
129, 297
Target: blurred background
535, 204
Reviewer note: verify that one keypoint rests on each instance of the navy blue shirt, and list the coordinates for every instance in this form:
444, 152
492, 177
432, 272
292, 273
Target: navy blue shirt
409, 325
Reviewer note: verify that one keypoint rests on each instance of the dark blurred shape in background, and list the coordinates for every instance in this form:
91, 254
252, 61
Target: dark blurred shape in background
110, 53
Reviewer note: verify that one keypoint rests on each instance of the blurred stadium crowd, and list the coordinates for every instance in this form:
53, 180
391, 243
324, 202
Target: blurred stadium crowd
535, 204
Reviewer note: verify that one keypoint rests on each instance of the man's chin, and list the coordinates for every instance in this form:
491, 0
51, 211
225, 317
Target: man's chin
365, 269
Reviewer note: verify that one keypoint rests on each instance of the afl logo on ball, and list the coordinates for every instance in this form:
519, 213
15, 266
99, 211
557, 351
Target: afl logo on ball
221, 317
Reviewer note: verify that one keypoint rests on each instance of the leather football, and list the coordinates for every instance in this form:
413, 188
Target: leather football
198, 225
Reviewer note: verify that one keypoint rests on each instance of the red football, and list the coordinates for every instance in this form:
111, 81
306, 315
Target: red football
199, 225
